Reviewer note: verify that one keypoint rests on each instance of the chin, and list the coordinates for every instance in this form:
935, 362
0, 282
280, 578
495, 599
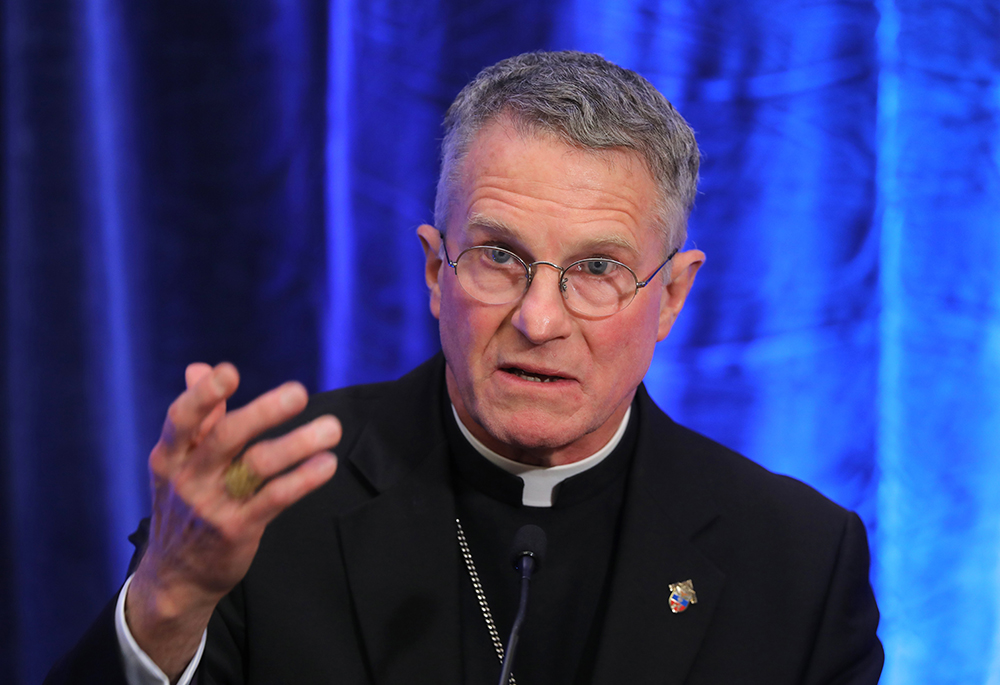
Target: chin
532, 432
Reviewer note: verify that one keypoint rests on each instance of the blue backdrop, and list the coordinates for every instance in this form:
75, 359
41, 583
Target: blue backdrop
201, 179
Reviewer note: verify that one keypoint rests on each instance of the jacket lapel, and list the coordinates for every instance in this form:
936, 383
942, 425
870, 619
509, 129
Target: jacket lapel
642, 640
400, 549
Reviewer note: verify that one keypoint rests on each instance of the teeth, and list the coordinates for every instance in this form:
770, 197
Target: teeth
532, 377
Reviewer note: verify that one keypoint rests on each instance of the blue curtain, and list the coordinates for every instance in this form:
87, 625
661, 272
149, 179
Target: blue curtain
206, 180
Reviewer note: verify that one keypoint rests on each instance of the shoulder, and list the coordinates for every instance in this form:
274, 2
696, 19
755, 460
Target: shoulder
738, 511
743, 486
390, 408
389, 429
736, 484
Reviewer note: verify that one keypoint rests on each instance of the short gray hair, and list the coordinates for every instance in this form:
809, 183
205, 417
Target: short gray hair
585, 101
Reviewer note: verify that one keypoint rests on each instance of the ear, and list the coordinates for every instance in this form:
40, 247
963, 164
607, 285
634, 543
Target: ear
430, 240
684, 267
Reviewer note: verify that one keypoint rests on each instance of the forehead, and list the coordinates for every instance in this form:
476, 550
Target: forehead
534, 183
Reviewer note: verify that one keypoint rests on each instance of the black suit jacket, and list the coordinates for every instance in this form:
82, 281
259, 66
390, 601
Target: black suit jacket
359, 582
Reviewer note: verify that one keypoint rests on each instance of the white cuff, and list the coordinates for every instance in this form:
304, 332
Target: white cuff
139, 668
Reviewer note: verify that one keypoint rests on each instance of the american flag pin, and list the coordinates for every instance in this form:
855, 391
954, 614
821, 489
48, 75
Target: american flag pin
682, 596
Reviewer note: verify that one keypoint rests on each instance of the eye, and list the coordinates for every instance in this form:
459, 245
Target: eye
498, 256
599, 267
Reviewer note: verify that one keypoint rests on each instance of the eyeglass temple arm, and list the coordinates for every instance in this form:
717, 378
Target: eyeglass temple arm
643, 284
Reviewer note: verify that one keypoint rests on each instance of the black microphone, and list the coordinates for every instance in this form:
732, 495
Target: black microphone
526, 555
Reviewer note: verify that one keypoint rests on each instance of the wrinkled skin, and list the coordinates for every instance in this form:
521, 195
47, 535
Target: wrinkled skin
202, 540
545, 200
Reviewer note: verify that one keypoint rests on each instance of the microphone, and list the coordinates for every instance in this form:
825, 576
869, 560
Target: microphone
526, 555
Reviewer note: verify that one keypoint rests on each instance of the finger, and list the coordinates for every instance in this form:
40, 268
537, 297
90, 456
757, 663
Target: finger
285, 490
237, 427
192, 374
193, 406
274, 456
195, 372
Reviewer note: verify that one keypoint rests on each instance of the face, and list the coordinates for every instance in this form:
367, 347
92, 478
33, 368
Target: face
531, 380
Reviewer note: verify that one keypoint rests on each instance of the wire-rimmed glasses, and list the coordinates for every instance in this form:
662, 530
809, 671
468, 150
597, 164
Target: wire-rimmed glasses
596, 287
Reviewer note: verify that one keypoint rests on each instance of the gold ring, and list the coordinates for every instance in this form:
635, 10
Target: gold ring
241, 480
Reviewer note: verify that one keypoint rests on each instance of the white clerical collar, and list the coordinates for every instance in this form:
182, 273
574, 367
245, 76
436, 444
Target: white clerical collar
539, 481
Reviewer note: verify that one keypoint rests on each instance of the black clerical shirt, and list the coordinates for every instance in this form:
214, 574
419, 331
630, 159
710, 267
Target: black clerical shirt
569, 594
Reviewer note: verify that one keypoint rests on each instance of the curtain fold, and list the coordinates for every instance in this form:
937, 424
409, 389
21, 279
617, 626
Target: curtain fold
940, 341
206, 181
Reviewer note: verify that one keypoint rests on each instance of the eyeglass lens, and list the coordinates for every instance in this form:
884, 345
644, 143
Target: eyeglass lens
593, 287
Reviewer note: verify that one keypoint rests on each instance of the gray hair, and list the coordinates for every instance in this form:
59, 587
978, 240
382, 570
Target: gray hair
585, 101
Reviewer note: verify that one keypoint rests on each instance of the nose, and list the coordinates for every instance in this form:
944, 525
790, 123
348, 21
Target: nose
541, 314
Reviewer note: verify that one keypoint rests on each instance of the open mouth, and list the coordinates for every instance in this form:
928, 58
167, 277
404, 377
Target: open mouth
536, 377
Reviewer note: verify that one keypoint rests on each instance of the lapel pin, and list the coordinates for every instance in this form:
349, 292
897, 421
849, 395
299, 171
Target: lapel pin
682, 596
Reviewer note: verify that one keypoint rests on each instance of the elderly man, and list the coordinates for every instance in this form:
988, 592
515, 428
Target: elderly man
556, 265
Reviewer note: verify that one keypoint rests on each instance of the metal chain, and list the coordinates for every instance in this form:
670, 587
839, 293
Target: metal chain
480, 595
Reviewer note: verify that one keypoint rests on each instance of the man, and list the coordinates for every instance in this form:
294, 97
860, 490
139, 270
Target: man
555, 267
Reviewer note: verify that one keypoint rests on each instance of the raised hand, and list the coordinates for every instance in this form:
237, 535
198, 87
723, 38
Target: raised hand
202, 538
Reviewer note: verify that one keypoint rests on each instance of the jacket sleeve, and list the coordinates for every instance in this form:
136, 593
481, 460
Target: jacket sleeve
96, 658
847, 650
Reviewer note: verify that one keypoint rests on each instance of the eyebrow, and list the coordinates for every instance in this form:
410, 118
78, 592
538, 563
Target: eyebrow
503, 230
493, 225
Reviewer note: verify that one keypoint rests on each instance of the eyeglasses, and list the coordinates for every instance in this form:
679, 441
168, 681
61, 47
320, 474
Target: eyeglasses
592, 288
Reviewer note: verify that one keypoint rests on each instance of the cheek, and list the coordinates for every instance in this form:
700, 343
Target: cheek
627, 355
466, 328
625, 347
